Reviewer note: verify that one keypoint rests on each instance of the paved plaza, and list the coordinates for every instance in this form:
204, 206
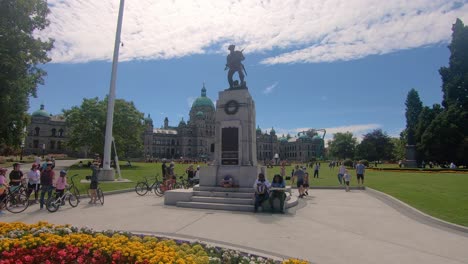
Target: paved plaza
329, 226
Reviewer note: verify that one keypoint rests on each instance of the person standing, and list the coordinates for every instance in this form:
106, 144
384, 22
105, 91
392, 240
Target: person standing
190, 172
360, 170
47, 183
3, 187
299, 176
346, 179
16, 176
60, 185
164, 169
34, 180
341, 172
316, 170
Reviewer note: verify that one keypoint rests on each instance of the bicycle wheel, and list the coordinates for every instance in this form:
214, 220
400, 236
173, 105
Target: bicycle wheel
76, 192
158, 190
17, 203
53, 204
73, 200
141, 188
100, 195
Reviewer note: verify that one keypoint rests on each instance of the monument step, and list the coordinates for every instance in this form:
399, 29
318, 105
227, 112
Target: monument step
223, 194
228, 200
217, 206
222, 189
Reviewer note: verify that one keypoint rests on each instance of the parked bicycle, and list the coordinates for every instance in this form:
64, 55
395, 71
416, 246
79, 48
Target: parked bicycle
54, 203
171, 184
143, 187
73, 188
16, 200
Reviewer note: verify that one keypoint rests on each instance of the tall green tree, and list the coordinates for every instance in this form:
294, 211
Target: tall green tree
399, 150
446, 138
413, 109
425, 119
87, 126
342, 145
375, 145
21, 54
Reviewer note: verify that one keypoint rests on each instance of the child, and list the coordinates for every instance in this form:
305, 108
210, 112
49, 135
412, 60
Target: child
3, 188
94, 183
60, 185
347, 179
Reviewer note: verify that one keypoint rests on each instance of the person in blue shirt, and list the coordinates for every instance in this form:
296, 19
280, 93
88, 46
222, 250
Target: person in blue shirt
360, 170
277, 182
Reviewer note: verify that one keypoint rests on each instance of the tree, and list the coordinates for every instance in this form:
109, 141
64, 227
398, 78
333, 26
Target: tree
87, 126
425, 118
375, 145
413, 109
399, 150
21, 53
342, 145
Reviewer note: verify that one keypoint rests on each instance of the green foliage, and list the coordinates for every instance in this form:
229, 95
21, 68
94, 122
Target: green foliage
348, 163
399, 150
342, 145
87, 126
20, 55
375, 145
413, 109
365, 162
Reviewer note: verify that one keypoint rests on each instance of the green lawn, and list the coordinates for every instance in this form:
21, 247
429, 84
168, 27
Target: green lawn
443, 195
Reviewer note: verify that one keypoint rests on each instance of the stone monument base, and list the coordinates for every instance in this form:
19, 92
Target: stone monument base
106, 175
243, 176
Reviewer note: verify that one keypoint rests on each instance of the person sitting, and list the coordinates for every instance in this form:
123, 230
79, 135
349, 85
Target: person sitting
277, 182
261, 187
227, 182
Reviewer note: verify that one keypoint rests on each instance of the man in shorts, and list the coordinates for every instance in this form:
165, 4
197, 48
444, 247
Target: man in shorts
360, 170
299, 176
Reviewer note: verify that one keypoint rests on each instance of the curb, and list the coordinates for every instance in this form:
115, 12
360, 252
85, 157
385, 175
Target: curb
415, 213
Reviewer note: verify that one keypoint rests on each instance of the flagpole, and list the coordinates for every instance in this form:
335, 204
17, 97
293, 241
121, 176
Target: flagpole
108, 173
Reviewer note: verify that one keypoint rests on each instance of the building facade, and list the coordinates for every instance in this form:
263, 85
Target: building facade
193, 139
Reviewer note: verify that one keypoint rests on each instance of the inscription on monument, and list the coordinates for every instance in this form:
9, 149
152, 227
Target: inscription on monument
230, 146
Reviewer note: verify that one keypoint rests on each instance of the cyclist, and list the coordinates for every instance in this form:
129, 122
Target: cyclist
47, 182
60, 185
94, 183
34, 177
16, 176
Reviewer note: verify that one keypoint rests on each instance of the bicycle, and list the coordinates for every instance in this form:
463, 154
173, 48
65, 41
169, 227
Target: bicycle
73, 188
53, 204
143, 187
169, 185
99, 192
16, 200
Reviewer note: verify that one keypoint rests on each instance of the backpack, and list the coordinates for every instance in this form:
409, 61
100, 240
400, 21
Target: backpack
261, 189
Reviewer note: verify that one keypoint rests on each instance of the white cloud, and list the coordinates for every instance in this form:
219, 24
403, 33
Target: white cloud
303, 30
270, 88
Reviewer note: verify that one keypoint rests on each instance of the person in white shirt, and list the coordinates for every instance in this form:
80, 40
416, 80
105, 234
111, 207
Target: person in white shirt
261, 187
34, 180
347, 179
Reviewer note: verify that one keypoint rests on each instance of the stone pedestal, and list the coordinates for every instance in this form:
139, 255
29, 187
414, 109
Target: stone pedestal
235, 141
410, 161
106, 175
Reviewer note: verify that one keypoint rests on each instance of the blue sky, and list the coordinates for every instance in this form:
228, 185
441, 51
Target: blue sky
310, 64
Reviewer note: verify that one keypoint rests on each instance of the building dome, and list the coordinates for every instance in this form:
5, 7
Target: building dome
203, 100
317, 138
283, 140
148, 119
199, 114
41, 112
272, 131
182, 122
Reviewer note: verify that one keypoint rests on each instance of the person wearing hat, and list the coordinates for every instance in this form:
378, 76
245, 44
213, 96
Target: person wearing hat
47, 183
16, 175
34, 180
60, 185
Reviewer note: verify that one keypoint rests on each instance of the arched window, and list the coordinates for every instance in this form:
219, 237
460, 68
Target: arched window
60, 134
36, 131
54, 132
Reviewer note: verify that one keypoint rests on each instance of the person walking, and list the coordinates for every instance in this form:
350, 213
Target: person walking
341, 172
299, 176
346, 179
360, 170
316, 170
47, 183
34, 181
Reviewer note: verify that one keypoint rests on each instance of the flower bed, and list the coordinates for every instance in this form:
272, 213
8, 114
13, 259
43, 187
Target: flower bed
47, 243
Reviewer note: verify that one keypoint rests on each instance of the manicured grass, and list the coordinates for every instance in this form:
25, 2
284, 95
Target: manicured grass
443, 195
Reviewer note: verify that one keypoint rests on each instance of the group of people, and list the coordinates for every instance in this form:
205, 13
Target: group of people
264, 190
40, 179
169, 177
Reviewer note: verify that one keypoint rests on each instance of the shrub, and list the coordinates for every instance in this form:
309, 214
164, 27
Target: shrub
365, 162
348, 163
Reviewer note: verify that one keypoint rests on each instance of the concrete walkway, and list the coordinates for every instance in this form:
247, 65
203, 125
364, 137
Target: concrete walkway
329, 226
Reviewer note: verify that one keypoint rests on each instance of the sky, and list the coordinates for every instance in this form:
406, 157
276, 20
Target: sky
338, 65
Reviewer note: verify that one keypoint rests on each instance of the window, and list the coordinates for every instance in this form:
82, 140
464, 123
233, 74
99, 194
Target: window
52, 144
59, 145
36, 144
54, 132
36, 131
60, 134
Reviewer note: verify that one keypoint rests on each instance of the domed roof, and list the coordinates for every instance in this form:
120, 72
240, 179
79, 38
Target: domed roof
199, 114
283, 139
272, 131
203, 100
258, 129
41, 112
304, 137
182, 122
317, 138
148, 118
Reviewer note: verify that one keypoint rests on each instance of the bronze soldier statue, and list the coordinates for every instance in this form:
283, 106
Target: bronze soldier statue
234, 64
